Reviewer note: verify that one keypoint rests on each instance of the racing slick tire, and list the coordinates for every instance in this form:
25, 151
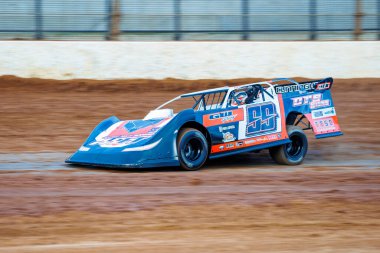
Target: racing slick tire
294, 152
192, 148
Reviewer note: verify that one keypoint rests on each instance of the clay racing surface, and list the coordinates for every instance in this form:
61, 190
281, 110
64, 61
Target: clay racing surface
246, 203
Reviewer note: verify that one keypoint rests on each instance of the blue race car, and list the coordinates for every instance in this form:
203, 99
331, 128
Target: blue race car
220, 122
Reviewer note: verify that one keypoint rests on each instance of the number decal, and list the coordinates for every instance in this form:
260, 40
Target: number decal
261, 119
326, 124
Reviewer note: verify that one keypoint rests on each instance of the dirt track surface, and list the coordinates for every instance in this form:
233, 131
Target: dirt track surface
246, 203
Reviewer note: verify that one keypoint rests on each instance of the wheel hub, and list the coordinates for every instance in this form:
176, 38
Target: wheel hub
193, 149
295, 147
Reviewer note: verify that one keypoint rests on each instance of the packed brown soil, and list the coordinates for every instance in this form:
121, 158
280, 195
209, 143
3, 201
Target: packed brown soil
245, 203
39, 114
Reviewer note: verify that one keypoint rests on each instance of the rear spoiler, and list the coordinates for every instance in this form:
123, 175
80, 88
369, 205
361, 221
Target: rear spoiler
316, 85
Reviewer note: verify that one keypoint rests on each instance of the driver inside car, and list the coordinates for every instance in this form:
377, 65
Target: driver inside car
252, 94
245, 97
241, 96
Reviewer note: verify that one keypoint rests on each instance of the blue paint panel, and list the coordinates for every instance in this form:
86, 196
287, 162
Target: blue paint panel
218, 133
320, 136
302, 100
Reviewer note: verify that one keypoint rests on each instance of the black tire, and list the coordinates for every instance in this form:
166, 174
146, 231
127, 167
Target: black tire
192, 149
292, 153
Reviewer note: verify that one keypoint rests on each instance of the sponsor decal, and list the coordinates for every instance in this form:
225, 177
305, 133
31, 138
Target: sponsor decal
317, 114
304, 86
325, 125
321, 113
261, 119
323, 86
228, 137
223, 117
294, 87
314, 101
247, 143
318, 104
230, 145
263, 139
226, 128
125, 133
250, 141
113, 142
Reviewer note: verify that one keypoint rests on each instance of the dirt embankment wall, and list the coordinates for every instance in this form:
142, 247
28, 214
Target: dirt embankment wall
188, 60
51, 115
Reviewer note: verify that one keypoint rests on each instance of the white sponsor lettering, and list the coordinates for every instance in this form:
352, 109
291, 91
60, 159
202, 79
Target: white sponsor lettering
225, 128
314, 101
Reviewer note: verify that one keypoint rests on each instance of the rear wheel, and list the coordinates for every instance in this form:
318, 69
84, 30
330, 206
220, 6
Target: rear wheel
294, 152
192, 149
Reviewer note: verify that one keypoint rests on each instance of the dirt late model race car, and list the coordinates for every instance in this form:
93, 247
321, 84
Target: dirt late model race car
219, 122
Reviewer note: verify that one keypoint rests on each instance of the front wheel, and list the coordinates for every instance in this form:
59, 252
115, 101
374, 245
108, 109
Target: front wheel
294, 152
192, 148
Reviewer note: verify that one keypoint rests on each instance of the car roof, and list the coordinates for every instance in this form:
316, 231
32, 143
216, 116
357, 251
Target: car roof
196, 93
221, 89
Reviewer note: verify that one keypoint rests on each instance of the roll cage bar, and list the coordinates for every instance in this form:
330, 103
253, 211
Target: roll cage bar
200, 96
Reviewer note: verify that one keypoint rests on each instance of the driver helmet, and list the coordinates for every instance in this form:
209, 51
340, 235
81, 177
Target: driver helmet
240, 97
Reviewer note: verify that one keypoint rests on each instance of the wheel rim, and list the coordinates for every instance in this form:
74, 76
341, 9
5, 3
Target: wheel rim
294, 149
193, 149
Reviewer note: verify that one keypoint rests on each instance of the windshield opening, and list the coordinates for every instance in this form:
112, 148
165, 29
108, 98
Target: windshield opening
178, 104
198, 102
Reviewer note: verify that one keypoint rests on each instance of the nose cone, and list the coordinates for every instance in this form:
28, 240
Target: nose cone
109, 157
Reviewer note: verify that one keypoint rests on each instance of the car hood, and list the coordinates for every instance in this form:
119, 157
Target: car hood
129, 133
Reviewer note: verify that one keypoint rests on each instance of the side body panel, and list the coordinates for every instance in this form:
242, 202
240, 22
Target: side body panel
246, 127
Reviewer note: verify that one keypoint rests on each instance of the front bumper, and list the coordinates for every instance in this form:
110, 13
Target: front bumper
117, 159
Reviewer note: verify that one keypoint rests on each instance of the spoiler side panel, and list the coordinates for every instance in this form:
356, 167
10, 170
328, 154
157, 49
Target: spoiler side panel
315, 102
